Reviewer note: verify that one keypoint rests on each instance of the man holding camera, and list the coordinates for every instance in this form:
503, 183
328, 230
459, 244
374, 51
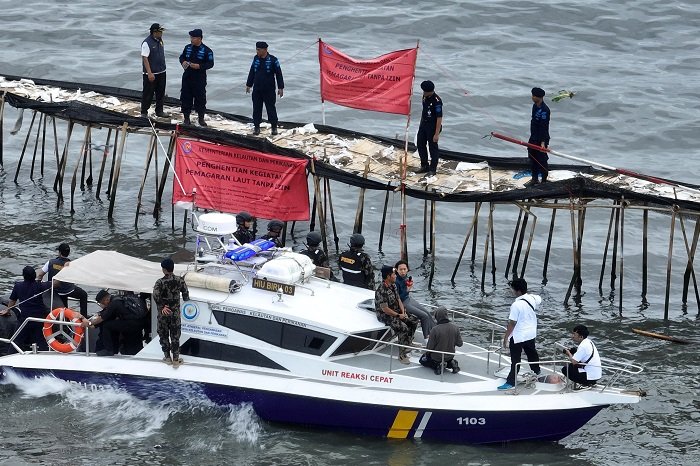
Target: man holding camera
584, 366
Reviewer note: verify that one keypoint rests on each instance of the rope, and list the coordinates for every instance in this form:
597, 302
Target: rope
31, 297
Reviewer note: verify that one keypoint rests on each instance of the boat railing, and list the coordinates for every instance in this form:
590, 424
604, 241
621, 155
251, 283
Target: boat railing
618, 368
60, 332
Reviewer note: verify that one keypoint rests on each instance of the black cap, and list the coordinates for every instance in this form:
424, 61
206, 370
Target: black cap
101, 295
261, 45
168, 264
387, 270
63, 249
196, 33
155, 27
427, 86
538, 92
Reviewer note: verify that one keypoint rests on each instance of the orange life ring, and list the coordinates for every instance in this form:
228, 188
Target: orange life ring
71, 338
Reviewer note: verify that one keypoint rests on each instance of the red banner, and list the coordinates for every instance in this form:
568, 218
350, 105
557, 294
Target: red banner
382, 84
232, 179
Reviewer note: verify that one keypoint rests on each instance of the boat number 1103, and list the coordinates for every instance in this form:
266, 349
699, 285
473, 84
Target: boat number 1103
471, 421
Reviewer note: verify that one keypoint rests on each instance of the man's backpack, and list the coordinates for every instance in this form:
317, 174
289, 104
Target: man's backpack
133, 307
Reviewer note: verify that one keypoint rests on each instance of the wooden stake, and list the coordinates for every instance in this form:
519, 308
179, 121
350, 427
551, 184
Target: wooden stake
512, 244
381, 228
668, 265
169, 159
433, 212
330, 205
117, 169
81, 157
149, 156
36, 145
486, 249
616, 236
105, 154
549, 245
519, 247
645, 250
605, 250
361, 203
2, 124
58, 182
24, 147
476, 229
622, 249
43, 144
689, 269
466, 240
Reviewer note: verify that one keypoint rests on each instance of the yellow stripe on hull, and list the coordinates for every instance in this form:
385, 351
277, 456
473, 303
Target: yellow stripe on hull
402, 424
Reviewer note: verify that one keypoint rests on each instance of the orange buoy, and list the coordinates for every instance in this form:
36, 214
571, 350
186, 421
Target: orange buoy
71, 340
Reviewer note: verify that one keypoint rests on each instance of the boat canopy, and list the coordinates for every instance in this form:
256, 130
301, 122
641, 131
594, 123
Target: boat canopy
116, 271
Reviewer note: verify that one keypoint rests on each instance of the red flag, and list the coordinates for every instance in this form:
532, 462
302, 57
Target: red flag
382, 84
232, 179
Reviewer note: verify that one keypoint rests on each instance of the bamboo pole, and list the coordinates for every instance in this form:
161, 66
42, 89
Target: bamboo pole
519, 246
81, 157
169, 159
24, 147
43, 144
105, 154
89, 179
359, 215
486, 250
58, 181
645, 250
381, 228
425, 225
514, 241
466, 240
668, 265
36, 146
336, 240
152, 144
573, 250
55, 145
529, 242
689, 269
492, 207
319, 205
2, 124
433, 214
117, 168
549, 245
84, 155
622, 250
616, 237
476, 230
605, 250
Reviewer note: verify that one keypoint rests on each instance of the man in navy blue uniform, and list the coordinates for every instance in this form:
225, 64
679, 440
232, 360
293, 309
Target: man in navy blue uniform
263, 72
153, 61
196, 59
539, 136
429, 129
64, 290
26, 301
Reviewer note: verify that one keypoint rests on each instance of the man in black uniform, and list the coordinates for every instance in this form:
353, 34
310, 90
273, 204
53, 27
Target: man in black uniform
274, 230
196, 59
244, 234
115, 319
539, 136
316, 253
28, 293
64, 290
429, 129
356, 265
263, 71
153, 61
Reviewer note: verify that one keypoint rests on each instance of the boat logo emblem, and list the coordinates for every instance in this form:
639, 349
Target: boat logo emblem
190, 311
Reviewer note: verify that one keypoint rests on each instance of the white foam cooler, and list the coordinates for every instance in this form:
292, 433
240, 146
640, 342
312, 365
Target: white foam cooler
288, 269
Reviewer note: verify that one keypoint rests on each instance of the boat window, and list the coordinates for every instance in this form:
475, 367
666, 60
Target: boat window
355, 345
221, 352
285, 336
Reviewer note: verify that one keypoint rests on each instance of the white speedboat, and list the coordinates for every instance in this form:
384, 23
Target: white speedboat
307, 351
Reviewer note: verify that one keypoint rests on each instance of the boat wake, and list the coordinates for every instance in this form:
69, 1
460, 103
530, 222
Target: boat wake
113, 414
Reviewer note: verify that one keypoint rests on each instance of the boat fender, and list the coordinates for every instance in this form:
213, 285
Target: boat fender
69, 340
202, 280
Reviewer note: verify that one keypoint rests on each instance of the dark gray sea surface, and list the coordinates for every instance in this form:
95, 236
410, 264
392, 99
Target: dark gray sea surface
634, 69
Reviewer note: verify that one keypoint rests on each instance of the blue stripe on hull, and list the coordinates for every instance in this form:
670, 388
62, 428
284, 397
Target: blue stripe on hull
364, 419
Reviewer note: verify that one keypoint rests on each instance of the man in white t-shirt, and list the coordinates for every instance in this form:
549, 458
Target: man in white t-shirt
584, 368
521, 331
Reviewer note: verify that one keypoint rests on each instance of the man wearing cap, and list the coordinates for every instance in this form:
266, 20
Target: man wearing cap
261, 77
429, 129
115, 321
391, 312
196, 58
539, 136
64, 290
153, 60
166, 294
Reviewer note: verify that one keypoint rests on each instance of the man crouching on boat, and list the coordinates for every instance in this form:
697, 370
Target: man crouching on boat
391, 312
166, 294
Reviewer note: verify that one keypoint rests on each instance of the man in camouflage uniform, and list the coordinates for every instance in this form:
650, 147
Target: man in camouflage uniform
391, 312
356, 265
166, 294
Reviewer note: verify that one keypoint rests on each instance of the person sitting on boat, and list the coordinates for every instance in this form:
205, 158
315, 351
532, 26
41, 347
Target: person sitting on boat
244, 234
521, 331
166, 294
117, 321
584, 366
64, 290
391, 312
445, 337
274, 230
413, 307
26, 301
356, 265
315, 252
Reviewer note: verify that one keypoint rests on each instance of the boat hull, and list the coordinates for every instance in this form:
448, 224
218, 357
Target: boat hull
399, 422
